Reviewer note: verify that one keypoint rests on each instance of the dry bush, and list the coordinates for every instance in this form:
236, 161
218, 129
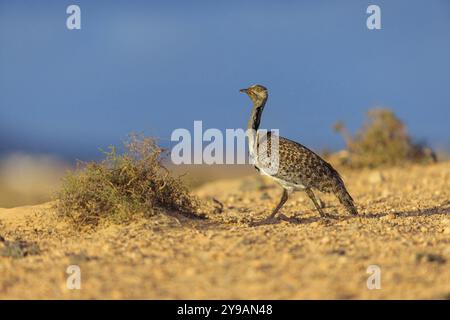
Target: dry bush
383, 141
123, 185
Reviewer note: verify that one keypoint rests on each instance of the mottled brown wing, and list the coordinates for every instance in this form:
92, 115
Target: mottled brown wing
299, 165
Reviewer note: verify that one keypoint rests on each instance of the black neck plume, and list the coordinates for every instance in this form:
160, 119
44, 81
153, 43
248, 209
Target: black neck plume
255, 118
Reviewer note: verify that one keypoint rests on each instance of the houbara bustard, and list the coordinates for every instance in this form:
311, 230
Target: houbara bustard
298, 168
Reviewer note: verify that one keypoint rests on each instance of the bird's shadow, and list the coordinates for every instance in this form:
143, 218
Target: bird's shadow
369, 215
411, 213
333, 217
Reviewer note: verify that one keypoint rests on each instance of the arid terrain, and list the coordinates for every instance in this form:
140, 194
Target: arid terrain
403, 228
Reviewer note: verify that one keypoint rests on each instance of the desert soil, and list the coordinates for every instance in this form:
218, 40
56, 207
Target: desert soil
403, 228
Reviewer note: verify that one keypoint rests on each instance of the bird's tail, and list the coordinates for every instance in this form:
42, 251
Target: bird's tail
345, 199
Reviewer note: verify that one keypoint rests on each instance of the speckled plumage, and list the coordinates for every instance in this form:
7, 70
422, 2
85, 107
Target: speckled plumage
299, 168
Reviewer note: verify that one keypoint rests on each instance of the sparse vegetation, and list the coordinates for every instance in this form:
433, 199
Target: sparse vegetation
18, 249
123, 185
382, 141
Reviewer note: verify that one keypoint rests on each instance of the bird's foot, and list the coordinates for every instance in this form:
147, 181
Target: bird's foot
266, 221
325, 215
272, 220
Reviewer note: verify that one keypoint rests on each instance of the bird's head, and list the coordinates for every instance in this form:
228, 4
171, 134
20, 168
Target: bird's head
257, 93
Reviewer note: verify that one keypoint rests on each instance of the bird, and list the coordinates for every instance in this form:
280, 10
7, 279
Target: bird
297, 167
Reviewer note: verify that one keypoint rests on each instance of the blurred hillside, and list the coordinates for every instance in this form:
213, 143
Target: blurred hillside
29, 179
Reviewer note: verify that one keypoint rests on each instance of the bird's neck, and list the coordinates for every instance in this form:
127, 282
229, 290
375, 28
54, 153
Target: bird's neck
253, 126
255, 118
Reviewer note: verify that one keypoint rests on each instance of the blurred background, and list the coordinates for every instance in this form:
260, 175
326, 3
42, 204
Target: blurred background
154, 66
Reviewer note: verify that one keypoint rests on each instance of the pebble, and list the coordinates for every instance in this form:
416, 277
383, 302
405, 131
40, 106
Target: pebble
430, 257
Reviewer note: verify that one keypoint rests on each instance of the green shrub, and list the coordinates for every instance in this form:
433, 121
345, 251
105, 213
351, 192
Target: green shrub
383, 141
123, 185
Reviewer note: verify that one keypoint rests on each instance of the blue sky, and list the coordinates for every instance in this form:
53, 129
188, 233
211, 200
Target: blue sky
154, 66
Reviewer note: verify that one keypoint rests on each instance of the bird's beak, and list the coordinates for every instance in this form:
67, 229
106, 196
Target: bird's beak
243, 90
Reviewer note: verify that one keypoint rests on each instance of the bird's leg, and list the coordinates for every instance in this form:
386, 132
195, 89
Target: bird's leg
270, 218
283, 200
316, 204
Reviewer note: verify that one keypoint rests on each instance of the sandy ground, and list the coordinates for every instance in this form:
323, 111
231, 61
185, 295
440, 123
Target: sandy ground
404, 229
